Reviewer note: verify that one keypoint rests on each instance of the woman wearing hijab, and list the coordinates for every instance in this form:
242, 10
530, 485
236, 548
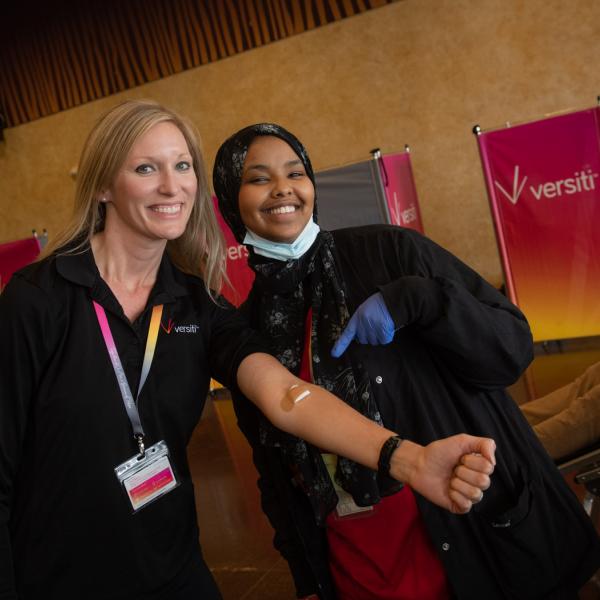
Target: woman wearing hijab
427, 352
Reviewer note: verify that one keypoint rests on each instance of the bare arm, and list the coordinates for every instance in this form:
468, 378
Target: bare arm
325, 421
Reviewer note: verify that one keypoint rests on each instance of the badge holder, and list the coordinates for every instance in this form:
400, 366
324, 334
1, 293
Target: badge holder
346, 508
147, 476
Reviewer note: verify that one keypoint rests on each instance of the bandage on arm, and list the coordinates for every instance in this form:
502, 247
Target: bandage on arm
296, 393
310, 412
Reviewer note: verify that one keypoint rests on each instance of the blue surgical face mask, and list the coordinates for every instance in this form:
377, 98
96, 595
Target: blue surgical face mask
280, 250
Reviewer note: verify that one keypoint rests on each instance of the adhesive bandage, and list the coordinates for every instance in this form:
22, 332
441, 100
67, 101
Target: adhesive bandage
303, 393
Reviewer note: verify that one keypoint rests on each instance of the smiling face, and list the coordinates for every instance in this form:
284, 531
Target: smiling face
154, 191
276, 197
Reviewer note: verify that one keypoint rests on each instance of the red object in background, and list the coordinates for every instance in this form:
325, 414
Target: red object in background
543, 180
15, 255
401, 192
239, 273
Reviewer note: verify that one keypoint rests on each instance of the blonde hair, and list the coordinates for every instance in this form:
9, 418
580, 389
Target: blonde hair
201, 249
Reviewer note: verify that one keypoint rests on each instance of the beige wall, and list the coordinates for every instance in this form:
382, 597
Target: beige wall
421, 72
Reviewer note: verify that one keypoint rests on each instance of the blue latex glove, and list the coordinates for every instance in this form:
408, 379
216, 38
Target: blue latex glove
370, 324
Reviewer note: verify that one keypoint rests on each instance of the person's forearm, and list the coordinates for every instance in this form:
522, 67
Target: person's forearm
452, 473
320, 418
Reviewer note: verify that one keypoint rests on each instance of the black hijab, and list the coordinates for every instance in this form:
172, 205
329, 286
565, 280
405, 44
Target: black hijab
278, 303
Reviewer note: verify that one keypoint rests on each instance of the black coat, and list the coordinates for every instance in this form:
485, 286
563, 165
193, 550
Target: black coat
460, 344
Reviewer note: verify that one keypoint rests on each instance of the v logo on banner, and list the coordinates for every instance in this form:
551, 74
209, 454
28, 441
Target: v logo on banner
517, 188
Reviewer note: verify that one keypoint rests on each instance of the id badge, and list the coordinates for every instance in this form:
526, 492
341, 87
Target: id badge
147, 478
346, 507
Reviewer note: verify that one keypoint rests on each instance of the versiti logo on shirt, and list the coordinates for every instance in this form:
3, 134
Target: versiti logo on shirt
171, 326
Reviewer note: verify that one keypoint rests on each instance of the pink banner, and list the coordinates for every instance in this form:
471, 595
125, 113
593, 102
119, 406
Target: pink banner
401, 192
542, 179
15, 255
239, 273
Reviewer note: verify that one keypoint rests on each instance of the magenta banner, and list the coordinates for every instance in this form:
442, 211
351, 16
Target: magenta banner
401, 192
239, 273
542, 180
15, 255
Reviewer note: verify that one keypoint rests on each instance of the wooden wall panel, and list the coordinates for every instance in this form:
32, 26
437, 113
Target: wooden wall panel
88, 50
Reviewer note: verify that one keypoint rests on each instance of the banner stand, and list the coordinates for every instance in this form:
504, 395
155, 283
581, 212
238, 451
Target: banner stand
542, 179
41, 238
504, 261
377, 169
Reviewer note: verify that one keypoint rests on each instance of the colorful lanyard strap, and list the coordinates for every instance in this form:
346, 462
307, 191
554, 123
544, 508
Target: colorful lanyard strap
128, 400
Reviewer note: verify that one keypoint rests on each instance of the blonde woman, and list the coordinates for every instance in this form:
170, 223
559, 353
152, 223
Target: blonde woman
107, 346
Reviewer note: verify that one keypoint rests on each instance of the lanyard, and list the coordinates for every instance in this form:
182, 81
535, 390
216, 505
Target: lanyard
128, 400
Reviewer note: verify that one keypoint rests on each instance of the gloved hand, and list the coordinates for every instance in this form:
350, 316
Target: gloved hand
370, 324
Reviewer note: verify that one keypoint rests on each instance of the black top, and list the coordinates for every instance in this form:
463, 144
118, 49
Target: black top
63, 429
460, 344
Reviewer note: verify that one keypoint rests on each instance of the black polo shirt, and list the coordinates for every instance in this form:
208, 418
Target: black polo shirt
66, 527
